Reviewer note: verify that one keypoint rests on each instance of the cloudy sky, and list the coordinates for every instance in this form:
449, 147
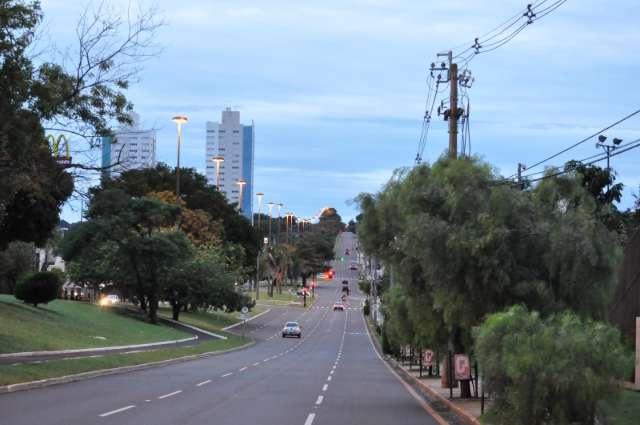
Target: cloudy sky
337, 88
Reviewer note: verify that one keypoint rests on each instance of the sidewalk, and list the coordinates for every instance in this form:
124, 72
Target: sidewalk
468, 410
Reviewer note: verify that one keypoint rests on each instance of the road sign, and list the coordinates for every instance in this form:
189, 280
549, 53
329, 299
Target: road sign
427, 358
244, 310
462, 367
243, 316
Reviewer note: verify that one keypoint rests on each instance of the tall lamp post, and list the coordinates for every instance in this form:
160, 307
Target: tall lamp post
270, 205
279, 220
241, 183
218, 160
259, 195
179, 120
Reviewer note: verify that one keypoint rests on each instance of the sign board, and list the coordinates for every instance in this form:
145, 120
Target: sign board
244, 310
462, 367
243, 316
266, 241
427, 358
63, 158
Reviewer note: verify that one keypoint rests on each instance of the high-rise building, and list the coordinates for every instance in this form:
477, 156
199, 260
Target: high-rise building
235, 143
131, 148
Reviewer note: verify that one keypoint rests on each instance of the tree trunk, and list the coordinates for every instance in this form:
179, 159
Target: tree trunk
176, 306
143, 302
152, 313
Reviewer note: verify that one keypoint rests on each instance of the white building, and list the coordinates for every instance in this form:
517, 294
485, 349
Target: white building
132, 147
235, 143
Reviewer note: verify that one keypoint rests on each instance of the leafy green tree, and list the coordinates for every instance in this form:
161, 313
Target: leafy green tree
38, 288
143, 247
82, 100
549, 371
208, 279
197, 195
15, 261
311, 253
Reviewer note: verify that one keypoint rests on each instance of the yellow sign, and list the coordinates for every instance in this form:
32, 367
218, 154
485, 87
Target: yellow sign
65, 157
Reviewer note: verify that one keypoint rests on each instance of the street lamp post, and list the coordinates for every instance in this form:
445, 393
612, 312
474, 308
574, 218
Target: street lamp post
240, 183
279, 220
218, 160
270, 205
179, 120
259, 195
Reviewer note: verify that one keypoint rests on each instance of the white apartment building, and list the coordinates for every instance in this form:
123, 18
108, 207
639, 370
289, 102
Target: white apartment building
132, 147
235, 143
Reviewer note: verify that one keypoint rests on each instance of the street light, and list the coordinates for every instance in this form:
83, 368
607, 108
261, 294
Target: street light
179, 120
218, 160
259, 195
279, 219
241, 183
270, 205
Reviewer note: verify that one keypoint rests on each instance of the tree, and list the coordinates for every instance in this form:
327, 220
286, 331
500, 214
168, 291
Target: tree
83, 100
142, 248
463, 245
38, 288
556, 370
197, 195
208, 279
311, 253
15, 261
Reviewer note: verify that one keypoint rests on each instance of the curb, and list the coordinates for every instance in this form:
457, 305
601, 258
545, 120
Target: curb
4, 389
194, 328
97, 349
422, 387
248, 320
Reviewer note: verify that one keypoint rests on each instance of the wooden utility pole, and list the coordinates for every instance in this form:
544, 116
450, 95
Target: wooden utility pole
453, 107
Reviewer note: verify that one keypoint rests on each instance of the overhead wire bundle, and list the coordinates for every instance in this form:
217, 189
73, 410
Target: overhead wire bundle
487, 42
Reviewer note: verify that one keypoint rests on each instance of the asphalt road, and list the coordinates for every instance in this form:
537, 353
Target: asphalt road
332, 375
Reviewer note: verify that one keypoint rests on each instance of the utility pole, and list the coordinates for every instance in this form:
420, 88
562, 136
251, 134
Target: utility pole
453, 105
608, 149
521, 168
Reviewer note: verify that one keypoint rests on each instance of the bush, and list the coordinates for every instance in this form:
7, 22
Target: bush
552, 371
364, 285
37, 288
366, 309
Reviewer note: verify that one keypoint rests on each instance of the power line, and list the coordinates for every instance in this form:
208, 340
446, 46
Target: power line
585, 139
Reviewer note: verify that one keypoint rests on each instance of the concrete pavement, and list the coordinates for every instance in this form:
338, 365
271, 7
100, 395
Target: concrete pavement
331, 375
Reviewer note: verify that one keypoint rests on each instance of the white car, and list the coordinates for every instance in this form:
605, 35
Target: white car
338, 306
110, 299
292, 329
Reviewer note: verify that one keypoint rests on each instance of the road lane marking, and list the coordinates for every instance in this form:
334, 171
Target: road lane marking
256, 363
329, 378
242, 369
310, 419
331, 373
169, 395
319, 400
113, 412
266, 360
203, 383
324, 388
227, 374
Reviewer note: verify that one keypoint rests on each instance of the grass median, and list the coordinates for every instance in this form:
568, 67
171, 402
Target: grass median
61, 325
213, 321
12, 374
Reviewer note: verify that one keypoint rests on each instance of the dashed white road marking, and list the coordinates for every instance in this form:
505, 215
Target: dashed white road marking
266, 360
113, 412
242, 369
319, 400
169, 395
331, 373
256, 363
324, 388
203, 383
148, 401
310, 419
227, 374
329, 378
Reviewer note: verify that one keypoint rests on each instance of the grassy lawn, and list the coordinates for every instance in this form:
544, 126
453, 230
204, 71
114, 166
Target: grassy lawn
212, 321
34, 371
627, 412
284, 298
70, 324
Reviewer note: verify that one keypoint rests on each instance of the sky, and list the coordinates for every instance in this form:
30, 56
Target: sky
337, 88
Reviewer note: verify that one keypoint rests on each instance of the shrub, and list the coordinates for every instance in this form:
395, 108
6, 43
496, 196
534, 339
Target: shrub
548, 371
366, 309
37, 288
